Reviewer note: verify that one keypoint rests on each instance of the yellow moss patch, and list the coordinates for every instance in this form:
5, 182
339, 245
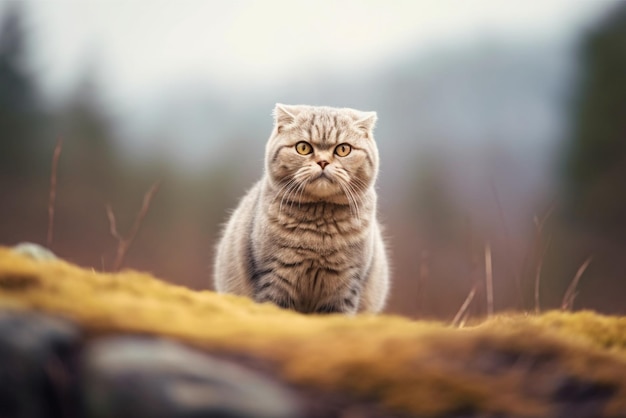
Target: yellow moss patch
421, 367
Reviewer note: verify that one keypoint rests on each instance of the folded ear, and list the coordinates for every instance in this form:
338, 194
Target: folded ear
284, 115
365, 122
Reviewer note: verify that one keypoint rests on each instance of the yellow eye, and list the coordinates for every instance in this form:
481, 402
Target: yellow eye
304, 148
343, 149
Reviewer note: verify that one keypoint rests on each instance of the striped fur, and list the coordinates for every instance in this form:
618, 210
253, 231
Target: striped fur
306, 237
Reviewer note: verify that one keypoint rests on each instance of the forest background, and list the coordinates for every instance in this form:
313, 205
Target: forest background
502, 134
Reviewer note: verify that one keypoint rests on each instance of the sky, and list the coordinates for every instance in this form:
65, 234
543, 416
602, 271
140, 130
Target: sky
138, 45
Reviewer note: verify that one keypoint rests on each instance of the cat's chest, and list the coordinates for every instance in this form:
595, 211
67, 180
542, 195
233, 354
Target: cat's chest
323, 220
316, 279
327, 227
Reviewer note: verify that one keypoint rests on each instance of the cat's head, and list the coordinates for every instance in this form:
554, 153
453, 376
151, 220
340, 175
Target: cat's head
318, 153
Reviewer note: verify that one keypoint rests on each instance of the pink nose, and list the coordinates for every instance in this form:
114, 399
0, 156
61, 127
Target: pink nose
323, 163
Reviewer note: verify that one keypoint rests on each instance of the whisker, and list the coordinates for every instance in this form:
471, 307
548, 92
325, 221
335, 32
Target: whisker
358, 193
304, 184
300, 182
357, 201
295, 195
287, 193
301, 177
278, 193
351, 201
352, 191
361, 185
343, 189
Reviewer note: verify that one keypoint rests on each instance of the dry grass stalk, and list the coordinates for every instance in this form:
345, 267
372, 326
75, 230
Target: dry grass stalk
511, 258
538, 269
474, 258
464, 320
124, 243
541, 252
461, 315
423, 279
489, 280
53, 190
571, 293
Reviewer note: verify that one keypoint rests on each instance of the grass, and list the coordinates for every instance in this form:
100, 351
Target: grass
124, 242
507, 364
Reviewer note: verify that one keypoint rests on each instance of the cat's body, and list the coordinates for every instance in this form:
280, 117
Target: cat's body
306, 237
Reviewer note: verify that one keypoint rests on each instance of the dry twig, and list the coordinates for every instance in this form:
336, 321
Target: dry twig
538, 269
571, 293
53, 190
541, 250
489, 280
460, 316
124, 243
464, 320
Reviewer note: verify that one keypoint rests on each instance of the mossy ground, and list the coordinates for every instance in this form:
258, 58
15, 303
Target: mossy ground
512, 364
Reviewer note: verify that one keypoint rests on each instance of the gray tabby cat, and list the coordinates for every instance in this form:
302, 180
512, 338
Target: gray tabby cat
306, 237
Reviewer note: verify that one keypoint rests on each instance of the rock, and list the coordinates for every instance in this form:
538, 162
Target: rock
34, 251
35, 353
142, 377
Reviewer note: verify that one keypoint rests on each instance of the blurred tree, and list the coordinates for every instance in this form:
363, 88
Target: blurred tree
21, 116
595, 171
431, 203
88, 134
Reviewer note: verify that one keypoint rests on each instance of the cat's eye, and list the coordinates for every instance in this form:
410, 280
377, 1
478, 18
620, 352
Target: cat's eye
343, 149
304, 148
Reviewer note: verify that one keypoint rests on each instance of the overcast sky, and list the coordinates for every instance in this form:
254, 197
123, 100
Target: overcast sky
137, 45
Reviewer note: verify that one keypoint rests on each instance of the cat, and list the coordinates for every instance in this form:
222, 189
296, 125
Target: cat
306, 236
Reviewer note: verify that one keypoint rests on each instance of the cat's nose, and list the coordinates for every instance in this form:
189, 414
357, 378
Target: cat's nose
323, 163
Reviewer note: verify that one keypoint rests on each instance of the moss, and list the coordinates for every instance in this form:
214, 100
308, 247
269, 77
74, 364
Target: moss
514, 364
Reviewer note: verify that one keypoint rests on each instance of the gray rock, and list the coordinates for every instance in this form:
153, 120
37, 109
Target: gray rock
142, 377
34, 251
35, 351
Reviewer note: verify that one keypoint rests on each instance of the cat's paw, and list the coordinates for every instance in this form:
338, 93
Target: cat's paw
34, 251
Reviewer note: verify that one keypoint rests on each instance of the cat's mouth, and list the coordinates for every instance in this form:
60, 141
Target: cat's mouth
323, 177
322, 185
